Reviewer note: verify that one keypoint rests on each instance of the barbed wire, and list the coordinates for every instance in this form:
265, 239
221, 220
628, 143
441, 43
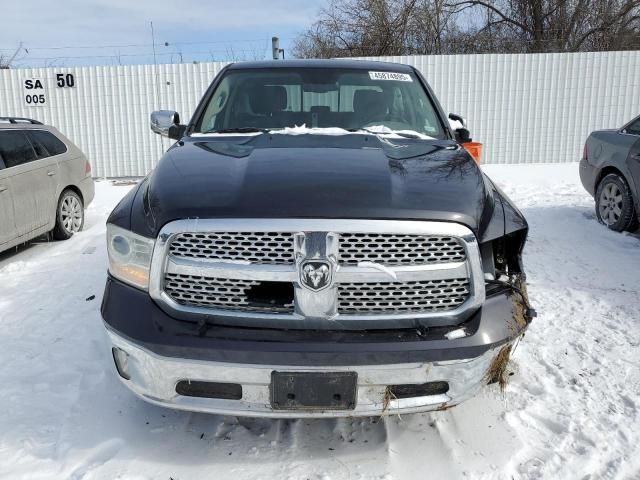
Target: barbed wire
145, 45
454, 44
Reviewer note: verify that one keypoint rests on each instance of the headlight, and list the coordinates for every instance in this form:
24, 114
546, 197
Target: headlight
129, 256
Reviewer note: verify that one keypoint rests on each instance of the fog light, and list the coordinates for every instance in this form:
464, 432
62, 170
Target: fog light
121, 359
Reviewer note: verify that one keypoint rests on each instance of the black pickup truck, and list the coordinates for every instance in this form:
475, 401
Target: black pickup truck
316, 243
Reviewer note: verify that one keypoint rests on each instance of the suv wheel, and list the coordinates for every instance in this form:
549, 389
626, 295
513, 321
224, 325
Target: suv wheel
614, 203
69, 215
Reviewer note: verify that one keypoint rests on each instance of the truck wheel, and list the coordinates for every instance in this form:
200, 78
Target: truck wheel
69, 215
614, 203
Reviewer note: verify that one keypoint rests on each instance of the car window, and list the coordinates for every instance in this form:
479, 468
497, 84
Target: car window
15, 148
41, 152
49, 141
634, 127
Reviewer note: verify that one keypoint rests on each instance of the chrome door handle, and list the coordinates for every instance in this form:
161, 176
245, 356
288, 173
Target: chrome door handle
51, 174
3, 188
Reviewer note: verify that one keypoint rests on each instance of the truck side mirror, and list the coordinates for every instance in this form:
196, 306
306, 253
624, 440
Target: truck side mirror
459, 126
167, 124
463, 135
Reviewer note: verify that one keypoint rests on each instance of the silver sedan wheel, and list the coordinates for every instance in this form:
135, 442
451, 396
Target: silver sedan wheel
71, 214
610, 204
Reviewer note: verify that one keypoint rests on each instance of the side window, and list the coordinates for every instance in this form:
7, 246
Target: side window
634, 128
49, 141
216, 106
15, 148
41, 152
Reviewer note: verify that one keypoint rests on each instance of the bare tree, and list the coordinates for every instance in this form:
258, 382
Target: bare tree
559, 25
402, 27
375, 27
253, 53
7, 60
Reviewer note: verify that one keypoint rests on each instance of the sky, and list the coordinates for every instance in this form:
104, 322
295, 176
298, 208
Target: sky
68, 33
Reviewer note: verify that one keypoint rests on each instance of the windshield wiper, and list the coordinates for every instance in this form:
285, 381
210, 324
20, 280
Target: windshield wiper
407, 135
390, 132
240, 130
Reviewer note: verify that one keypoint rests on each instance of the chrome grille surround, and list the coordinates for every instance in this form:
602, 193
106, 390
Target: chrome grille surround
321, 237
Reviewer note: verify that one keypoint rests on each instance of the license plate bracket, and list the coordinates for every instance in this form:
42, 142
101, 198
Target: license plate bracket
313, 390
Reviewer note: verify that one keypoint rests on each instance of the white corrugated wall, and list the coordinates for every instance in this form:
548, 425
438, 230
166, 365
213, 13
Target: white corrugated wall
538, 107
524, 108
107, 112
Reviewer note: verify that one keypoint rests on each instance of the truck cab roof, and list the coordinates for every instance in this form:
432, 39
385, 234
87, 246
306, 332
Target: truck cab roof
323, 63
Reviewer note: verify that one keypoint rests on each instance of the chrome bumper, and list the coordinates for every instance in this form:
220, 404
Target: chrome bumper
154, 379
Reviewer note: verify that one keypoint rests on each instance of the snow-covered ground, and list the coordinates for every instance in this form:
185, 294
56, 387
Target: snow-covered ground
571, 411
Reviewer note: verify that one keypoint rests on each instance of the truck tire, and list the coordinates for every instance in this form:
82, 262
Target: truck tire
614, 204
69, 215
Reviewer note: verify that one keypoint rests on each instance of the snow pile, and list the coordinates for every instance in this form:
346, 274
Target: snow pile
571, 409
374, 129
455, 124
304, 130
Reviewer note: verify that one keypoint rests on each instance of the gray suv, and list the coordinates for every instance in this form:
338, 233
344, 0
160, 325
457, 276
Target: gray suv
610, 172
45, 183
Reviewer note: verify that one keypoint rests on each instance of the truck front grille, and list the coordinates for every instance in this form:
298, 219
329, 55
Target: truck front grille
276, 248
252, 247
353, 298
396, 297
392, 249
250, 271
222, 293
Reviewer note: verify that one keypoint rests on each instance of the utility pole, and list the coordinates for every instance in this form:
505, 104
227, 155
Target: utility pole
275, 48
155, 67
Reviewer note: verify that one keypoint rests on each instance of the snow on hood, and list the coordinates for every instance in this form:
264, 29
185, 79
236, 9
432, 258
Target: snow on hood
304, 130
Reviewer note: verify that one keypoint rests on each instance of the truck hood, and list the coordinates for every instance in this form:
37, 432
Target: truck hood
313, 176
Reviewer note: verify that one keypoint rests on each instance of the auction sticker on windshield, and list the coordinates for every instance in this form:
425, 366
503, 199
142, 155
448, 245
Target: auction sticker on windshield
399, 77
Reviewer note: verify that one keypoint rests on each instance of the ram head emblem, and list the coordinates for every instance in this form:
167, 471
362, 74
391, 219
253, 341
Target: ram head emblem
315, 274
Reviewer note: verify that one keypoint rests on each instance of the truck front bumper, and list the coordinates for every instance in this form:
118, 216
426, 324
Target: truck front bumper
154, 378
157, 352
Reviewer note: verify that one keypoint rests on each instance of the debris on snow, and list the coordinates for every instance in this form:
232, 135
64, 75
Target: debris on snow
497, 372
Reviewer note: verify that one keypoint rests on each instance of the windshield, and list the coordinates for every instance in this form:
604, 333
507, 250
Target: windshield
320, 98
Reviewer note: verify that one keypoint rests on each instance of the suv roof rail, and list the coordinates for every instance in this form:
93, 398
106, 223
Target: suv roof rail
21, 120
